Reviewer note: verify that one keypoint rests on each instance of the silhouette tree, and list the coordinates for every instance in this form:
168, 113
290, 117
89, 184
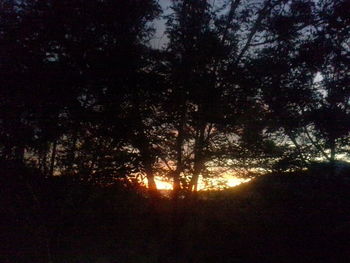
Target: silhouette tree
330, 116
299, 51
69, 71
213, 94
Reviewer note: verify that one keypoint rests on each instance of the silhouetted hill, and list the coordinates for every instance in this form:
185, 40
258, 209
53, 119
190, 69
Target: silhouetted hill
287, 218
273, 218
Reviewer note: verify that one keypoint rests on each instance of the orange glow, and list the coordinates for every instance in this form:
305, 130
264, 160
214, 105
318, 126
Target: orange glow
220, 183
163, 185
234, 181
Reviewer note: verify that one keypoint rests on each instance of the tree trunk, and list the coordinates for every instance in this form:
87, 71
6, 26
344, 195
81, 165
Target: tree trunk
45, 168
179, 144
194, 182
198, 159
177, 216
71, 154
332, 158
53, 157
176, 185
297, 146
151, 183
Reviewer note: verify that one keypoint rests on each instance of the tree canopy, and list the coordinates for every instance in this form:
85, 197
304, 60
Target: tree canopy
237, 86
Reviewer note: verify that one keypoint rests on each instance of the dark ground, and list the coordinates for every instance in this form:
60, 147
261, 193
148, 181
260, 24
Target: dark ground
275, 218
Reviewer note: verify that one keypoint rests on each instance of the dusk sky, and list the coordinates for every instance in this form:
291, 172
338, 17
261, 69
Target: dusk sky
159, 39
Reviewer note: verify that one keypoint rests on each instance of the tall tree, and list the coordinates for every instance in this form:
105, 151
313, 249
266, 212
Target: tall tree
304, 90
211, 47
68, 68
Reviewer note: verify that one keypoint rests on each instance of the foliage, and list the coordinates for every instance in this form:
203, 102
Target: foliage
238, 85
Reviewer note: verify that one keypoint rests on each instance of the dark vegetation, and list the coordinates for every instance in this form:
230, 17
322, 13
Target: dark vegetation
274, 218
91, 107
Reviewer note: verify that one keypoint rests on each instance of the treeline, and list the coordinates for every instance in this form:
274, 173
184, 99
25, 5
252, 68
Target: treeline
241, 84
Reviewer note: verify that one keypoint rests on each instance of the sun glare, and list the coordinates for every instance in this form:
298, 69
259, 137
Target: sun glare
234, 181
216, 184
163, 185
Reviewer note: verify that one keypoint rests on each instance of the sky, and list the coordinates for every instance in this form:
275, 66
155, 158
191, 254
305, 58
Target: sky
159, 39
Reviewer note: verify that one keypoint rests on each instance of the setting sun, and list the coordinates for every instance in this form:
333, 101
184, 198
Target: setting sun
163, 185
215, 183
